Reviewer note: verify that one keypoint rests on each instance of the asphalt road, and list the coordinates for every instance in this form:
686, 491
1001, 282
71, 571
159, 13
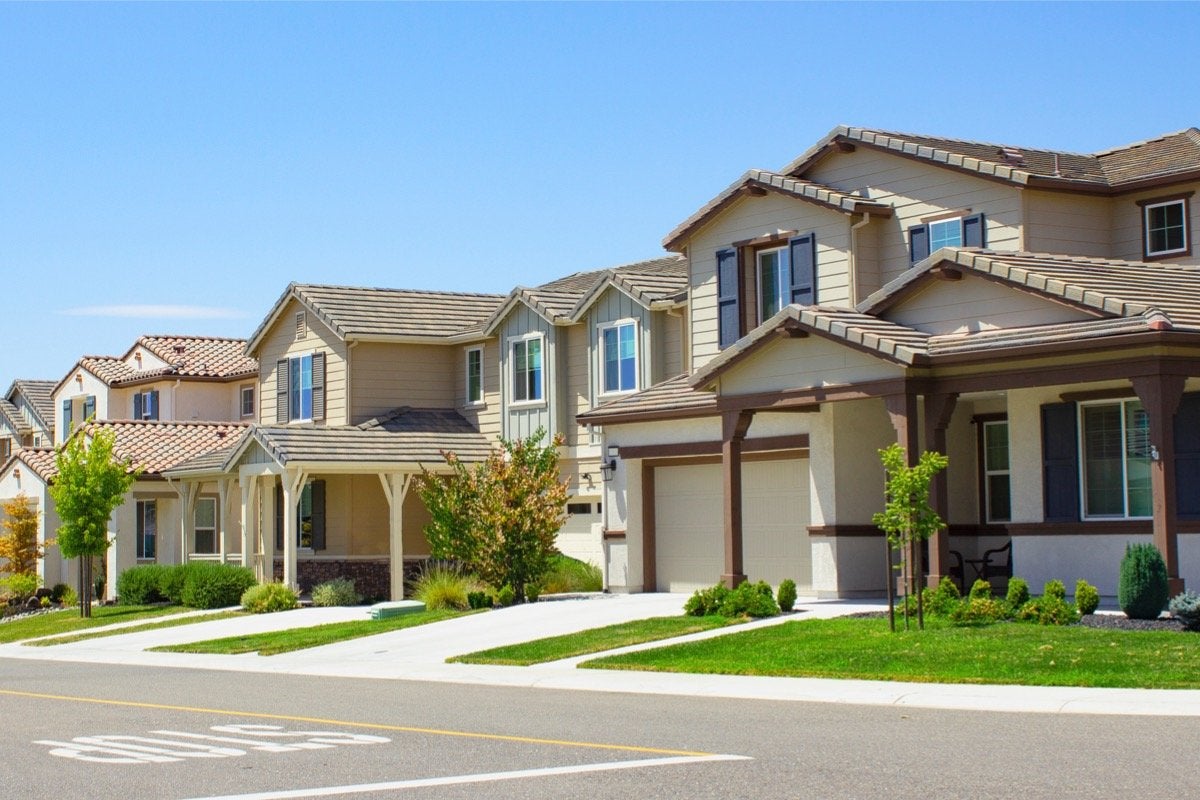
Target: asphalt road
98, 731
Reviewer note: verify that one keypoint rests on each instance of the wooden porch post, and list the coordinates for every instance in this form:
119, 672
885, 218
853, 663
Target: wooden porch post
249, 521
938, 410
293, 484
734, 425
902, 409
188, 490
395, 489
1160, 396
266, 529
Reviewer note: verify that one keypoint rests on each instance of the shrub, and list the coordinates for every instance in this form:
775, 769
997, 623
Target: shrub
1018, 592
1142, 590
705, 602
980, 610
1185, 607
532, 592
1087, 597
479, 600
944, 599
69, 597
1055, 589
505, 595
138, 586
211, 585
568, 574
787, 595
265, 598
58, 592
980, 590
171, 585
1048, 610
20, 586
749, 600
337, 592
444, 585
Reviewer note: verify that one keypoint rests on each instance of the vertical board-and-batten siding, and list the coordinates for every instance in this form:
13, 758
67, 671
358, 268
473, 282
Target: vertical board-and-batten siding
387, 376
484, 416
523, 420
615, 305
280, 342
749, 218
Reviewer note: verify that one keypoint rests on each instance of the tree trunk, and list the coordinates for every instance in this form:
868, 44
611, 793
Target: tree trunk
890, 580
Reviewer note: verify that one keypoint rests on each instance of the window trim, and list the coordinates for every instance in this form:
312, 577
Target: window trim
216, 526
958, 218
293, 375
473, 401
513, 341
985, 511
1149, 203
783, 282
140, 531
602, 370
1081, 434
242, 400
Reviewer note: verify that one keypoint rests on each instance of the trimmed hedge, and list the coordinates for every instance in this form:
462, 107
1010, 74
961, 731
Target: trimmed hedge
198, 584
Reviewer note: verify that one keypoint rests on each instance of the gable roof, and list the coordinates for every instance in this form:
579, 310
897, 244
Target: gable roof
39, 459
200, 358
156, 446
651, 283
40, 396
11, 416
759, 181
1169, 157
383, 314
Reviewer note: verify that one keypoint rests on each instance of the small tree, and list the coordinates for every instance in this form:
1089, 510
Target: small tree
19, 542
90, 483
907, 518
500, 517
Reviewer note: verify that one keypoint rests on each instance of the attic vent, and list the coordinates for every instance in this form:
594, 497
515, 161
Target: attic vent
301, 325
1012, 156
179, 348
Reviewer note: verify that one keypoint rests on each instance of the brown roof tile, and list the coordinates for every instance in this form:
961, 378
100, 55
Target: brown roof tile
38, 459
156, 446
352, 445
11, 416
202, 356
672, 398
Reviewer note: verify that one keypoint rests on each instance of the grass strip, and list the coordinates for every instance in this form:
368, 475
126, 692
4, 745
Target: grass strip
285, 641
149, 626
1003, 653
595, 640
68, 620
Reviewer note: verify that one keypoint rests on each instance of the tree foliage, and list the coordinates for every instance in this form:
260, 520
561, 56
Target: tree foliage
500, 517
907, 517
91, 482
19, 542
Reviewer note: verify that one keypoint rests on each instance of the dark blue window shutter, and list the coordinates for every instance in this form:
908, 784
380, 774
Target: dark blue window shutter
802, 252
1060, 462
918, 242
282, 404
1187, 457
278, 518
137, 406
66, 414
153, 400
974, 231
318, 515
89, 406
728, 308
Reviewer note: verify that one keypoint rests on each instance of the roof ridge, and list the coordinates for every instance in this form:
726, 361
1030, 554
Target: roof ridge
192, 337
302, 286
1142, 142
956, 140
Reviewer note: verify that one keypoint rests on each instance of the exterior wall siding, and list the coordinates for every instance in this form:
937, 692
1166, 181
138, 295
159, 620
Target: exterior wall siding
280, 342
1057, 222
798, 363
1127, 223
523, 419
386, 376
484, 416
977, 304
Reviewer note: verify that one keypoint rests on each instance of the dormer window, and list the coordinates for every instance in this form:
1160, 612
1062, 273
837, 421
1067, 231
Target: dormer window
956, 230
772, 277
1165, 227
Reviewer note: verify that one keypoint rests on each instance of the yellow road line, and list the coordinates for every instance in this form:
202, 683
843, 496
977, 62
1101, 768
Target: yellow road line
345, 723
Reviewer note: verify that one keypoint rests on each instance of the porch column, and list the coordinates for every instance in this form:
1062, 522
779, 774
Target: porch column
902, 409
188, 490
734, 425
224, 490
938, 410
266, 529
248, 485
1160, 395
293, 484
395, 489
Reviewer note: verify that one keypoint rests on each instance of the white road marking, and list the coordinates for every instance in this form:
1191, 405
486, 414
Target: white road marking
485, 777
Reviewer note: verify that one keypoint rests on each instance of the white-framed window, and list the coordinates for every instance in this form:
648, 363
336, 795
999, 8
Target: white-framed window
528, 374
945, 233
300, 388
247, 401
618, 356
1114, 458
773, 281
997, 480
147, 529
1165, 227
474, 375
205, 518
145, 404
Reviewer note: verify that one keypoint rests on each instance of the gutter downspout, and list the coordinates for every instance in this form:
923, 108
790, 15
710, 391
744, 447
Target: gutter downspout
853, 277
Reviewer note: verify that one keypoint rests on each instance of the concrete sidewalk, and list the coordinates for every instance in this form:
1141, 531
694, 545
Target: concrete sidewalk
420, 654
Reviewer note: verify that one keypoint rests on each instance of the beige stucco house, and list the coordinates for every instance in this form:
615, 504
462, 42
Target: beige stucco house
1031, 313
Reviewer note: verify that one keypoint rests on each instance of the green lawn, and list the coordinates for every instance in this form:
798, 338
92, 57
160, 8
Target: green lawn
149, 626
68, 620
1003, 653
275, 642
592, 641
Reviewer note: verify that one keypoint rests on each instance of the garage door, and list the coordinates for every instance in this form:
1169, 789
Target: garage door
689, 519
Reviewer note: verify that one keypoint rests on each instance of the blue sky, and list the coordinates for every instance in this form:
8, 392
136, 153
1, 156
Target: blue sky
169, 168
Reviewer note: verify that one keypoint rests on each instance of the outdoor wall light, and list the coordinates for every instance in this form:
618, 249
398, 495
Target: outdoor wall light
609, 465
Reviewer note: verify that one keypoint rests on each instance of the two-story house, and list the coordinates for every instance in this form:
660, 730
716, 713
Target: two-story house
1031, 313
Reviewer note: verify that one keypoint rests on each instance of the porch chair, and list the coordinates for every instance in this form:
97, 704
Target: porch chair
996, 563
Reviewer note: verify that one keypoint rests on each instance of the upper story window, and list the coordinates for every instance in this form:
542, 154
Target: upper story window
772, 281
527, 371
618, 357
77, 408
956, 231
145, 405
474, 375
756, 279
1165, 227
247, 401
300, 388
1115, 459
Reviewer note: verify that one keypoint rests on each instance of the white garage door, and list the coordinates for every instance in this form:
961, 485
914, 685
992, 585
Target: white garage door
690, 517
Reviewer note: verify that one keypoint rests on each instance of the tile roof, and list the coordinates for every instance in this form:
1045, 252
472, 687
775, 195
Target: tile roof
11, 416
374, 446
201, 356
156, 446
38, 459
39, 394
428, 420
763, 180
673, 398
1171, 154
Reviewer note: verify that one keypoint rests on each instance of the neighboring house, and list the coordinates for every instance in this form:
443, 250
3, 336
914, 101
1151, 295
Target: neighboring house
27, 473
26, 416
1031, 313
160, 378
